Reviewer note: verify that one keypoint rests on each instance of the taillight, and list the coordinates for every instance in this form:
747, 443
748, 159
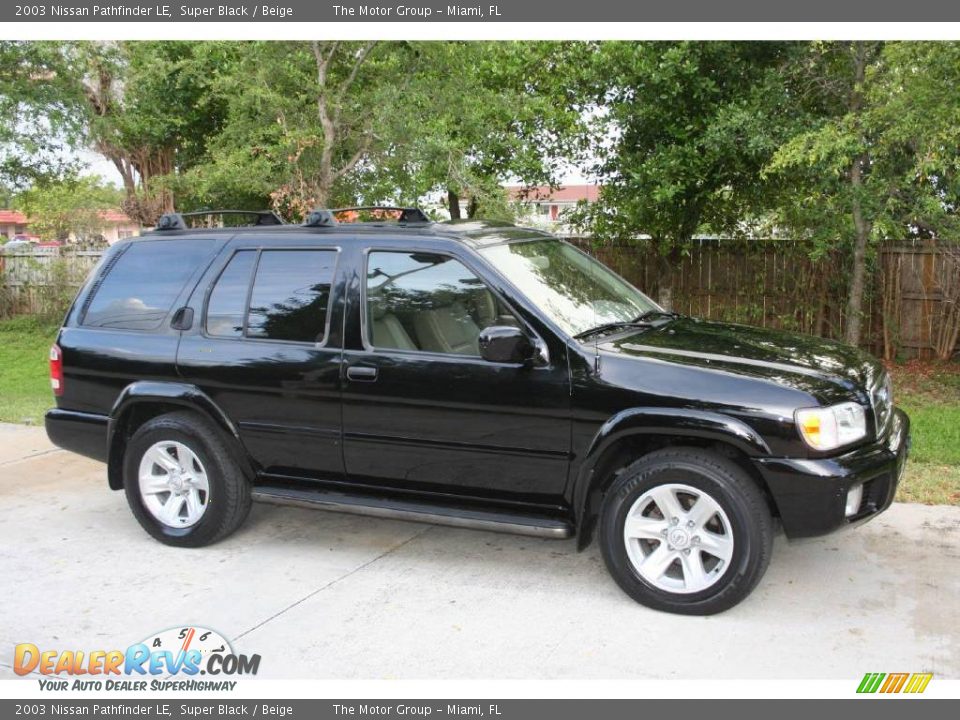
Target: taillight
56, 370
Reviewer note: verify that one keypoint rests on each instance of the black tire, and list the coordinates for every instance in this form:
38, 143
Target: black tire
229, 499
730, 487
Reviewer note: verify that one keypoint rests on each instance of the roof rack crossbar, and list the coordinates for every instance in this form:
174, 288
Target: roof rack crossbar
178, 221
407, 214
264, 217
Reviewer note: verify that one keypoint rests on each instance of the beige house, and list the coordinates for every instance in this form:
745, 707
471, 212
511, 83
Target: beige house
544, 206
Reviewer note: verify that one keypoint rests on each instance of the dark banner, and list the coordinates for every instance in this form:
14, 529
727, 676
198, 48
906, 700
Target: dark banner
490, 709
532, 11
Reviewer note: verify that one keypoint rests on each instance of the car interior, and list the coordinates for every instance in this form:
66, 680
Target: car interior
449, 327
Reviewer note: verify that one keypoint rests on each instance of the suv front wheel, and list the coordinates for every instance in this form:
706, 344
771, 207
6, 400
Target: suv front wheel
687, 531
182, 483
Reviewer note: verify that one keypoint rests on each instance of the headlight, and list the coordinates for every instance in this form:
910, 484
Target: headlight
832, 427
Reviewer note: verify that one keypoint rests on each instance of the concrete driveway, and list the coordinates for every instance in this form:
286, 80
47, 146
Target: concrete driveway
338, 596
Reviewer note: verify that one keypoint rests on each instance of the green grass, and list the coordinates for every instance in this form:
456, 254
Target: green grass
24, 371
929, 392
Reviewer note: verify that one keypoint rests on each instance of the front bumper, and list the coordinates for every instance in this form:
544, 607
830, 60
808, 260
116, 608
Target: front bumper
811, 494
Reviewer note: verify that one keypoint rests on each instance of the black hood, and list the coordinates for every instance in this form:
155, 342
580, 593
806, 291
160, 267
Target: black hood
799, 361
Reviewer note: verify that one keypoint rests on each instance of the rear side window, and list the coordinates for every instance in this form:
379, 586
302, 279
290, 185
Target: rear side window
289, 299
141, 286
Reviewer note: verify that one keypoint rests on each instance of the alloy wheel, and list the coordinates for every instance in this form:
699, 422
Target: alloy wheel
678, 538
173, 484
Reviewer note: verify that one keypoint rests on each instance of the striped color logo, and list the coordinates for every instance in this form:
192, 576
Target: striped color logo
894, 683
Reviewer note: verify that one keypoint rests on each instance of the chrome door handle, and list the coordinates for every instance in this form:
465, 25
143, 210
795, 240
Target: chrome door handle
362, 373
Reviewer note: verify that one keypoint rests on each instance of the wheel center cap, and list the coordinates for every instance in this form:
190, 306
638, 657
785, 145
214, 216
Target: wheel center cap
679, 538
176, 482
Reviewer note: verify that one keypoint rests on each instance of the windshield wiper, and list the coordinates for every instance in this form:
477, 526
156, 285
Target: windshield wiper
650, 314
645, 321
608, 327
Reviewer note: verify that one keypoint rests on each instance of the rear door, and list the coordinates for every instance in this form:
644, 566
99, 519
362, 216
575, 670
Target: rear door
267, 349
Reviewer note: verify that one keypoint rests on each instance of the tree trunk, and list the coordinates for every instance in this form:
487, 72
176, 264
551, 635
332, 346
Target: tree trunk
861, 236
453, 204
664, 282
861, 226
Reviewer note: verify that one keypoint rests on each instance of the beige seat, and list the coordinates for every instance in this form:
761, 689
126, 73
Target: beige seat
386, 330
484, 309
448, 330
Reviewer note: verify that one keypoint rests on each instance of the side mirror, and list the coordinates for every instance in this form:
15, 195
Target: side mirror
506, 344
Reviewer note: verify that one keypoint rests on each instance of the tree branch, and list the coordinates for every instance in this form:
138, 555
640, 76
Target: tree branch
345, 85
352, 162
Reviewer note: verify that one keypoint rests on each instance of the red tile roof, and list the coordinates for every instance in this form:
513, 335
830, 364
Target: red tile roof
113, 217
12, 217
544, 193
116, 217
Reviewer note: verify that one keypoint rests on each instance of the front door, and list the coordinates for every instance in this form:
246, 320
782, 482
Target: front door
422, 410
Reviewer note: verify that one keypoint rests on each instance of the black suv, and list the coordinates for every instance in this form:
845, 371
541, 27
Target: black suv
475, 374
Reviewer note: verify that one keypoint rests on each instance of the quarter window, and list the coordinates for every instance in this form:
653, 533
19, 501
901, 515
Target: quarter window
141, 286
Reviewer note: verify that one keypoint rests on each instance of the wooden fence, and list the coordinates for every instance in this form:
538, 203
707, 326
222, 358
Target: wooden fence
43, 282
912, 308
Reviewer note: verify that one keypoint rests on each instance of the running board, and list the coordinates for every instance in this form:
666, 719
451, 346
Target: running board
402, 509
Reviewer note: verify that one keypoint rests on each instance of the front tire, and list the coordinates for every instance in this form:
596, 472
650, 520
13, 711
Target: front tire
686, 530
182, 482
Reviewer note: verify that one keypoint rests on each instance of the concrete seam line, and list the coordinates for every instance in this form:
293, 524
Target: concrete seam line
31, 457
335, 581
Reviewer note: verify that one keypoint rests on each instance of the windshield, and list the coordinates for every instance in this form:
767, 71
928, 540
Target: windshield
577, 292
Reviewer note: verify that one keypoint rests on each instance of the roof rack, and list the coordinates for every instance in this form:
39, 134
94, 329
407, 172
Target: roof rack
178, 221
383, 212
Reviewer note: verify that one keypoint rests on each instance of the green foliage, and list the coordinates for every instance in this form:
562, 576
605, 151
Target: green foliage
348, 123
74, 205
902, 121
41, 110
478, 114
689, 126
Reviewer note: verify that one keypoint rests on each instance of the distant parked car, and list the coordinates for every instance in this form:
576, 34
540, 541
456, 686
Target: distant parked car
18, 246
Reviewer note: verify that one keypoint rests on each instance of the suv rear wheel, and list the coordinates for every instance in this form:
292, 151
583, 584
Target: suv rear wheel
687, 531
182, 483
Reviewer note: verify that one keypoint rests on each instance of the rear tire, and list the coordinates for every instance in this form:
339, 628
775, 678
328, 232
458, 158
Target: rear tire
686, 530
182, 482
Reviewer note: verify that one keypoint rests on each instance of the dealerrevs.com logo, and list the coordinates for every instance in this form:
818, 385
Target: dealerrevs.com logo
173, 659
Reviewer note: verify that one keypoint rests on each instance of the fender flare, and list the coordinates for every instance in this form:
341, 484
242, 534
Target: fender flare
185, 395
655, 421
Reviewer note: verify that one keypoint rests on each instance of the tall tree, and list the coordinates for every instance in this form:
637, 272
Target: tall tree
682, 131
42, 110
479, 114
144, 106
303, 122
880, 156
